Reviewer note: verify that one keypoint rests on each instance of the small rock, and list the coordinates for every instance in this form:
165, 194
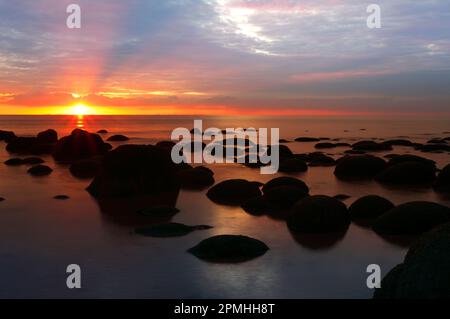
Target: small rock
14, 162
118, 138
102, 132
233, 192
33, 161
359, 167
40, 170
285, 181
61, 197
169, 230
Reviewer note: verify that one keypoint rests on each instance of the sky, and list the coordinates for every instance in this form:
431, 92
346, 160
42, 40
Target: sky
219, 57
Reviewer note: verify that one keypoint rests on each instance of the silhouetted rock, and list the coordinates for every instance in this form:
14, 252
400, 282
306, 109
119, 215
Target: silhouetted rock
2, 199
398, 142
293, 165
21, 145
318, 214
7, 136
317, 159
259, 206
285, 197
118, 138
61, 197
410, 158
195, 178
408, 173
437, 141
412, 218
307, 139
341, 197
47, 137
159, 211
284, 141
285, 181
40, 170
430, 148
369, 207
166, 144
229, 248
359, 167
324, 145
424, 273
443, 180
169, 230
233, 192
14, 162
102, 132
79, 145
87, 168
371, 146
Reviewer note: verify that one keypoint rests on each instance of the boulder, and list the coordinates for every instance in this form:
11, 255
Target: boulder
411, 219
118, 138
371, 146
424, 273
285, 181
40, 170
359, 167
442, 183
318, 214
285, 197
21, 145
47, 137
7, 136
79, 145
258, 206
317, 159
169, 230
233, 192
102, 132
87, 168
293, 165
398, 142
369, 207
325, 145
398, 159
408, 173
32, 161
229, 248
307, 139
431, 148
14, 162
61, 197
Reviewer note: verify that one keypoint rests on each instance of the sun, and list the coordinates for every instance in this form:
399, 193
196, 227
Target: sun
80, 109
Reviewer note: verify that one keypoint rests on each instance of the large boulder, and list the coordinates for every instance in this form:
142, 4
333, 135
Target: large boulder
359, 167
371, 146
369, 207
21, 145
398, 159
40, 170
424, 274
411, 219
47, 137
195, 178
233, 192
7, 136
408, 173
286, 181
293, 165
319, 214
285, 197
442, 183
229, 248
79, 145
86, 168
118, 138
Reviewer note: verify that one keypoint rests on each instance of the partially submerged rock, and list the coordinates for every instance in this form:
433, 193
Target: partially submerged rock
293, 165
371, 146
259, 205
229, 248
61, 197
118, 138
7, 136
233, 192
169, 230
286, 181
47, 137
195, 178
411, 219
32, 161
359, 167
40, 170
408, 173
87, 168
307, 139
14, 162
319, 214
369, 207
285, 197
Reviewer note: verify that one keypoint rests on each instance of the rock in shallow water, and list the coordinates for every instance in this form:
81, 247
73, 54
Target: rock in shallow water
408, 173
40, 170
85, 168
195, 178
424, 274
411, 219
359, 167
233, 192
169, 230
285, 181
369, 207
118, 138
229, 248
318, 214
61, 197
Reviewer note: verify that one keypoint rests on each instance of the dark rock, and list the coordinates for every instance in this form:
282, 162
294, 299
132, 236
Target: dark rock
159, 211
79, 145
102, 132
443, 180
284, 151
285, 197
14, 162
33, 161
259, 206
87, 168
229, 248
21, 145
61, 197
195, 178
410, 158
408, 173
353, 152
342, 145
233, 192
132, 170
398, 142
2, 199
40, 170
412, 218
307, 139
47, 137
369, 207
293, 165
166, 144
319, 214
118, 138
371, 146
437, 141
7, 136
284, 141
285, 181
169, 230
324, 145
319, 159
430, 148
359, 167
424, 273
341, 197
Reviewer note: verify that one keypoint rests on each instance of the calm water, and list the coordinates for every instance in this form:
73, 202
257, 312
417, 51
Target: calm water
40, 236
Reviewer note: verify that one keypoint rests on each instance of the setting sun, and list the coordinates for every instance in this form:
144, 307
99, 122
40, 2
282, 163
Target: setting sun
80, 109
